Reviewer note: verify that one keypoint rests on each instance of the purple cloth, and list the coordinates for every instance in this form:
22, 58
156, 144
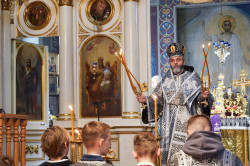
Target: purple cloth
215, 120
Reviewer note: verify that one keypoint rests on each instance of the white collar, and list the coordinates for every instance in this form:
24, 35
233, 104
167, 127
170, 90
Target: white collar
57, 161
145, 163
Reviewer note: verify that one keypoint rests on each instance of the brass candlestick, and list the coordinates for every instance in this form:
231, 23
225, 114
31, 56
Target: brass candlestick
110, 155
76, 148
158, 160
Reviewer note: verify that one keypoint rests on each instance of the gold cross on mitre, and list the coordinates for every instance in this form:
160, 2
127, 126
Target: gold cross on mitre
243, 82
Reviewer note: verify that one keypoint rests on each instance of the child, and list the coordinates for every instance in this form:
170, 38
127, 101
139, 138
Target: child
96, 138
146, 149
55, 144
6, 161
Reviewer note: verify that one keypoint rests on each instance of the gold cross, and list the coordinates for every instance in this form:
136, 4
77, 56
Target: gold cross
243, 82
143, 106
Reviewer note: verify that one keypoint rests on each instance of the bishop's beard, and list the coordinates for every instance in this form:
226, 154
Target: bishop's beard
177, 69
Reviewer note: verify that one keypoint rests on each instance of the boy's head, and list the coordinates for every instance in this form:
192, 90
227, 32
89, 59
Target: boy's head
198, 122
55, 142
145, 147
6, 161
96, 137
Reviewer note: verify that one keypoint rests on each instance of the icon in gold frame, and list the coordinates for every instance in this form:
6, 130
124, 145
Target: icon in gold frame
37, 15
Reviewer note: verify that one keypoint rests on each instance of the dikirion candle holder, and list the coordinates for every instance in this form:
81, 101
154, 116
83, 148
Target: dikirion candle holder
138, 92
205, 85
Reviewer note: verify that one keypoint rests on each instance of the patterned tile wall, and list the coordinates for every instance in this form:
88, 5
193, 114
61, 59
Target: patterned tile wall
162, 32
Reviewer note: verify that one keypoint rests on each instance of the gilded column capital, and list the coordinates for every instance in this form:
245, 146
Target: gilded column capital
5, 4
65, 3
132, 0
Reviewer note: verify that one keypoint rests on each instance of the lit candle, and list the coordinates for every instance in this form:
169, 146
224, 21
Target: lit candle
72, 121
203, 48
229, 90
208, 48
214, 91
118, 57
155, 101
78, 134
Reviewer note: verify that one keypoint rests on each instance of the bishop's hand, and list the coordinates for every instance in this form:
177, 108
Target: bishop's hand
205, 93
141, 98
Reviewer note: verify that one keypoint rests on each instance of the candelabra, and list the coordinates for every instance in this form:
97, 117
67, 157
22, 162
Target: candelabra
222, 50
236, 105
227, 103
218, 94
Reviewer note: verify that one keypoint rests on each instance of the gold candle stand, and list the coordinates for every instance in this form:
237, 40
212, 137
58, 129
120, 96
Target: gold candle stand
76, 150
158, 160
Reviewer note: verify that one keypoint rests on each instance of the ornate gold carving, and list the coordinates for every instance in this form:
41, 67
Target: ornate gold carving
118, 28
81, 39
32, 141
144, 87
110, 152
118, 36
99, 27
65, 117
31, 149
65, 3
125, 113
69, 115
55, 32
81, 30
131, 117
236, 142
18, 45
5, 4
20, 34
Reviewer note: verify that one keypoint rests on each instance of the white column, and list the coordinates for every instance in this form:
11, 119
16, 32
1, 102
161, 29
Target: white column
66, 97
1, 62
145, 44
6, 59
131, 106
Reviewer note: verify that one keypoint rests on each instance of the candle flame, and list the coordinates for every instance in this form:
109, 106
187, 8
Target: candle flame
77, 131
115, 53
120, 51
203, 46
70, 107
209, 43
